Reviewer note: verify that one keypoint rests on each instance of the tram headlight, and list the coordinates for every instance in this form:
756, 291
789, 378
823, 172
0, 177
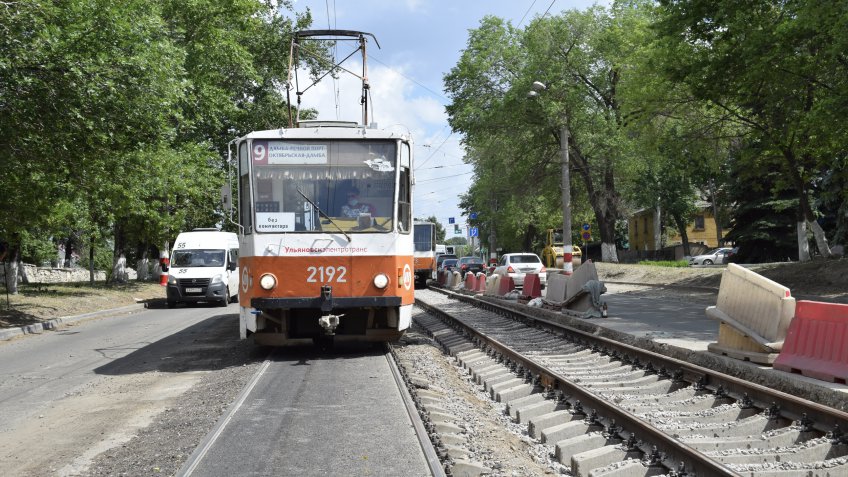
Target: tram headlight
267, 281
381, 281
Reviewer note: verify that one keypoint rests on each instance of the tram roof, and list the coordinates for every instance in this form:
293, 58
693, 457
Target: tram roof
327, 130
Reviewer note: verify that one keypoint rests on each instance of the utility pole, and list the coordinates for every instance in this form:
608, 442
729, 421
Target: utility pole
567, 247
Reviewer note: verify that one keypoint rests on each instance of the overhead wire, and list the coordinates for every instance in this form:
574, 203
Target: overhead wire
525, 14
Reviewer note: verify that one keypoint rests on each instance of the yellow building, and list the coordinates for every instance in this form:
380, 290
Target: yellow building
644, 234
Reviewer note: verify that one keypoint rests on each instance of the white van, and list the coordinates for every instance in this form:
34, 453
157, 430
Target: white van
204, 267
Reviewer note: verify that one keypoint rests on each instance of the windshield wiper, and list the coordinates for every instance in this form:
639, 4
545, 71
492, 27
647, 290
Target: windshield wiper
322, 213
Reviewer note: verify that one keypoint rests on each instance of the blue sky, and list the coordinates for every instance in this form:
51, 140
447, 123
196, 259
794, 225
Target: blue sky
420, 41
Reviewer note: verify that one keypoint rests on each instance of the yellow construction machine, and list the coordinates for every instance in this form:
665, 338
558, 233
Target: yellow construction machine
553, 252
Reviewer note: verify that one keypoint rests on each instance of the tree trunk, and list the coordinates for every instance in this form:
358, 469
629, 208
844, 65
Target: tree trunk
91, 264
118, 256
803, 244
12, 271
805, 213
681, 227
143, 263
657, 228
119, 271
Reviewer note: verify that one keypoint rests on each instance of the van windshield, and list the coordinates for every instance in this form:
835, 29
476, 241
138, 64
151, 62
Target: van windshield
198, 258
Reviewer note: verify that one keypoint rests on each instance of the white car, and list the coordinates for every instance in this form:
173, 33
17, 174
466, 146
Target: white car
716, 255
517, 265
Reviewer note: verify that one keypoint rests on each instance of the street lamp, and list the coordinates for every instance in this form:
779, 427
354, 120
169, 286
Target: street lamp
567, 247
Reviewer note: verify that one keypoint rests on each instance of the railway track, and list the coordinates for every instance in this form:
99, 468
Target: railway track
612, 409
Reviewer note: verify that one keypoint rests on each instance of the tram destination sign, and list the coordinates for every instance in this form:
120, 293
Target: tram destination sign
279, 152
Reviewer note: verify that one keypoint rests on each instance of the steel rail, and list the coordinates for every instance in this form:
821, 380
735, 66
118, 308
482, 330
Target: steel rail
791, 407
430, 454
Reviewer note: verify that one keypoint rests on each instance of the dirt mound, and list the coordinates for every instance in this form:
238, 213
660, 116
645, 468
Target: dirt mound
825, 279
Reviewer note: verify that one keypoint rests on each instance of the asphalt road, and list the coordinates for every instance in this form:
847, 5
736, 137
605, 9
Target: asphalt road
318, 413
74, 389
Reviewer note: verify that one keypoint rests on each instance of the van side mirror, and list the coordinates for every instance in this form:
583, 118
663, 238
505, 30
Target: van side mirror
232, 266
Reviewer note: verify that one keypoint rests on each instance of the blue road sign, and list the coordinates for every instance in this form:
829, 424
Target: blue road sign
472, 232
586, 226
473, 215
451, 220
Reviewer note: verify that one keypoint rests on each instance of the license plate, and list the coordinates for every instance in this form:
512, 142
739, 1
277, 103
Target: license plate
194, 290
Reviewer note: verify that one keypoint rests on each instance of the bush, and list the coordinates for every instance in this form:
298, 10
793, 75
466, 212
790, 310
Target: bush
666, 263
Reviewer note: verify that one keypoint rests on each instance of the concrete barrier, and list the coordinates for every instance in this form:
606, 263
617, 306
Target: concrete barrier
816, 343
456, 280
505, 285
556, 290
582, 293
532, 286
492, 284
581, 275
753, 314
480, 287
470, 282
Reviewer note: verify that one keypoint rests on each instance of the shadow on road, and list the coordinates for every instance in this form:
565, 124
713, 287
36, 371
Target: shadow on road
210, 345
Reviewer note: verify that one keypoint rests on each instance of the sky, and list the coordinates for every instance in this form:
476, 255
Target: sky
419, 42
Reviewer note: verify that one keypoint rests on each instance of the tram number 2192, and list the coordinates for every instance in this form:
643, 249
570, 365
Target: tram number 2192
326, 274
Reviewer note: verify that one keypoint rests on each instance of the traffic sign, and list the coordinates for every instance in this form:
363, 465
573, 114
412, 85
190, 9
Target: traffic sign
587, 236
472, 232
473, 216
451, 220
586, 226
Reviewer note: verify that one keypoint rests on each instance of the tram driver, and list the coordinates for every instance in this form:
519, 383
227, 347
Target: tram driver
353, 208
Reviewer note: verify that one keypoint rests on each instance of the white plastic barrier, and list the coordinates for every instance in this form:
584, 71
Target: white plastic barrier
753, 313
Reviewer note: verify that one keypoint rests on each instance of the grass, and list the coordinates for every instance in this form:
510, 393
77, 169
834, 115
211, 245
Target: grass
666, 263
41, 302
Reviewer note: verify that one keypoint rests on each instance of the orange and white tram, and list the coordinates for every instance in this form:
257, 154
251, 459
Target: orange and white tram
425, 252
326, 243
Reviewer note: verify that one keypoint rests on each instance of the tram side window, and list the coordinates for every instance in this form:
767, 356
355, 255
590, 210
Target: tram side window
245, 215
405, 190
404, 202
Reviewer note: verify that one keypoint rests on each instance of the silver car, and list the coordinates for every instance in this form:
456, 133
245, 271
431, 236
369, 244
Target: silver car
716, 255
517, 265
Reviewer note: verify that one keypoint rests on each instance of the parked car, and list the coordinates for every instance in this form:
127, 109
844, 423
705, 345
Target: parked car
449, 265
441, 258
517, 265
716, 255
729, 256
471, 264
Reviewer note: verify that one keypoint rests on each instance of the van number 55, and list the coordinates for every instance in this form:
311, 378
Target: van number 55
326, 274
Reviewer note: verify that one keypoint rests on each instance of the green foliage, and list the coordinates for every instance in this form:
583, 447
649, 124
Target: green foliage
102, 257
114, 117
666, 263
773, 70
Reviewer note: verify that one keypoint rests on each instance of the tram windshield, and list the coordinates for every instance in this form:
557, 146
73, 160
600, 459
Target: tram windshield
313, 186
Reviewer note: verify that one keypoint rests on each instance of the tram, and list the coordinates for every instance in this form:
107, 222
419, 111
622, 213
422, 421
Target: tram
326, 229
425, 252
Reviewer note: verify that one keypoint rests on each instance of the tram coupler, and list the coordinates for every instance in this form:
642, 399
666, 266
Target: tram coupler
329, 323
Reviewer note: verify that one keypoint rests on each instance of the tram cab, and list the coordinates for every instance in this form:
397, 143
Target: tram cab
326, 244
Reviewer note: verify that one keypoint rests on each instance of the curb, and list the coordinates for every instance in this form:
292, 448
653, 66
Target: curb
37, 328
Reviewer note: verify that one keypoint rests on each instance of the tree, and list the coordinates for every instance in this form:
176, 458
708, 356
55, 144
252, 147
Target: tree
582, 57
774, 68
